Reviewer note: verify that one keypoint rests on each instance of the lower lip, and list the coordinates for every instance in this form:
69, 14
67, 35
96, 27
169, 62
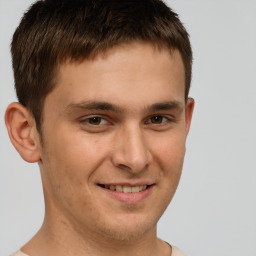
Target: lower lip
129, 198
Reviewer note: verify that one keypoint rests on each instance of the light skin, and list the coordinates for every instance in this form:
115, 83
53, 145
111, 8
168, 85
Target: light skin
116, 122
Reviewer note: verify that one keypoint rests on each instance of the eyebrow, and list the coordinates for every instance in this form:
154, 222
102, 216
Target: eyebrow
106, 106
169, 105
95, 105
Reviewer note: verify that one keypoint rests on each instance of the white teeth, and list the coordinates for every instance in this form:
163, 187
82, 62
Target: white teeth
119, 188
111, 187
135, 189
126, 189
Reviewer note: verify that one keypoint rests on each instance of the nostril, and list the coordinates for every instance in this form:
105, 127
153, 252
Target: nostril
124, 167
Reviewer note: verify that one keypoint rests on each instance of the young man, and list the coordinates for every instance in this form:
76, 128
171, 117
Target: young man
104, 110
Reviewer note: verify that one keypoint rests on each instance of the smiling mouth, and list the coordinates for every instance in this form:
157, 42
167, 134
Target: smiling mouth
125, 189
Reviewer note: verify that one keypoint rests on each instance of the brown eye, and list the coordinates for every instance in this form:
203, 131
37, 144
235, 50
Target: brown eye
156, 119
95, 120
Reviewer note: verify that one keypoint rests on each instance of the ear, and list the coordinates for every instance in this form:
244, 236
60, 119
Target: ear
22, 131
189, 112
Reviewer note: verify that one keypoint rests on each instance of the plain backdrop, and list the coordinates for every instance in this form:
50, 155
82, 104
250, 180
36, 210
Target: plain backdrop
214, 209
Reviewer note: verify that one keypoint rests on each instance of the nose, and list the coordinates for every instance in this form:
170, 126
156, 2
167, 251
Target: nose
130, 151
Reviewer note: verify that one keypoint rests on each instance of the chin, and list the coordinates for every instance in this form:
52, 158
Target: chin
129, 229
125, 235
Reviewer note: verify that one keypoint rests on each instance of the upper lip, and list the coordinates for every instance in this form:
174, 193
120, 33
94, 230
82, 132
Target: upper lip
129, 184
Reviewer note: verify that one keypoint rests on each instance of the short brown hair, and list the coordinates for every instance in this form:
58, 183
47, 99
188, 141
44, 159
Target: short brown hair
53, 31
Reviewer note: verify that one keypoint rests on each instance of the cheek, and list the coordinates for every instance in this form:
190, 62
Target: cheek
169, 152
78, 156
70, 158
168, 158
68, 163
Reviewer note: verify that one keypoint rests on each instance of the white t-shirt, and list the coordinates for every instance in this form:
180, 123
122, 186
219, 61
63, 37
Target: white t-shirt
175, 252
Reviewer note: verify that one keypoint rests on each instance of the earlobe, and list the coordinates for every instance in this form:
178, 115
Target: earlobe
189, 112
22, 131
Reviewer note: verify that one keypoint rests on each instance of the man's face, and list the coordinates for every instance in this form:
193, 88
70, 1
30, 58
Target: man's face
114, 136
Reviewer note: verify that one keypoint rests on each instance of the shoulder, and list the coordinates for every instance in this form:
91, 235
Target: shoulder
177, 252
19, 253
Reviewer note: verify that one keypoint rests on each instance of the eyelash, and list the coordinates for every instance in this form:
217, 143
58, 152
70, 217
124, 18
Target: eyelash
90, 118
149, 120
160, 118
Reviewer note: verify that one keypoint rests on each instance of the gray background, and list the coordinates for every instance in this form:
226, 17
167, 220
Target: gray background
214, 210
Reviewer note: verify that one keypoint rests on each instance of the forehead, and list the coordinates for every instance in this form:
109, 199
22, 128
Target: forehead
127, 74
